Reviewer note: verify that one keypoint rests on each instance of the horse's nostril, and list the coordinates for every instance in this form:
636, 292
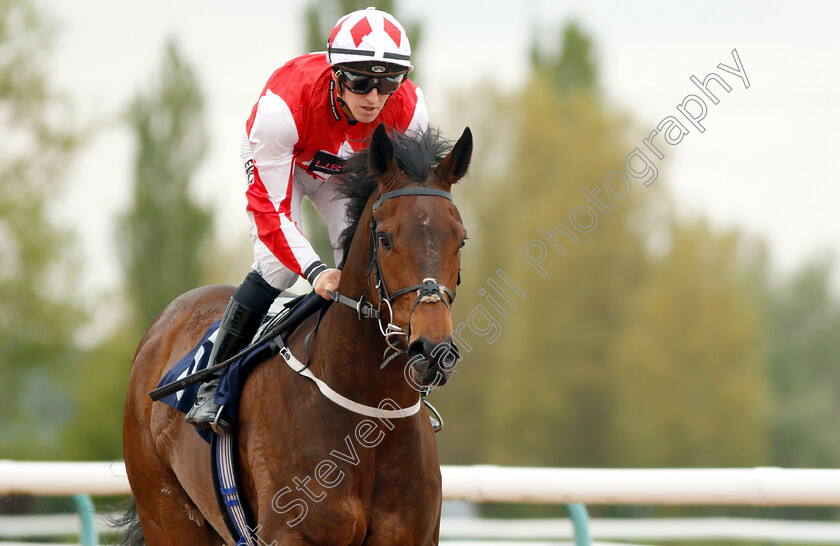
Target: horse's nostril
418, 352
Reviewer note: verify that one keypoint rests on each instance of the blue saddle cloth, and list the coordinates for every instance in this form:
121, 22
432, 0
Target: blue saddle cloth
230, 385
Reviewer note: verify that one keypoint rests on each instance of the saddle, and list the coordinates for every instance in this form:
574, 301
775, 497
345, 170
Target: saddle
293, 313
279, 325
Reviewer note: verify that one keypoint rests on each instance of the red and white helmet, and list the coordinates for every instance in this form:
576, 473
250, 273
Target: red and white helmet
369, 35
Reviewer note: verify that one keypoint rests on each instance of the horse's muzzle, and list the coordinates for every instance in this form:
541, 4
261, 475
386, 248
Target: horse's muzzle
432, 363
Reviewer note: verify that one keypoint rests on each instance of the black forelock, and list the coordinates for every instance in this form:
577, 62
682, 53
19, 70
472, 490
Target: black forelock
416, 153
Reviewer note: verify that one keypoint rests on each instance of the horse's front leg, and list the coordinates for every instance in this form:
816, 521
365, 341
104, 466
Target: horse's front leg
293, 508
407, 504
404, 529
328, 527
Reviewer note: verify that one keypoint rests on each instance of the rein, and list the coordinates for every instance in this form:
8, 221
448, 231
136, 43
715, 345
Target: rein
428, 291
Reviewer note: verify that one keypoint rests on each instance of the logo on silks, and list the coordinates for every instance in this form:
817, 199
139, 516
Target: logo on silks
378, 68
249, 171
326, 162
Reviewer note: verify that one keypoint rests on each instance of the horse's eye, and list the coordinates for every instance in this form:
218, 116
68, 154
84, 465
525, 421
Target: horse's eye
384, 241
463, 242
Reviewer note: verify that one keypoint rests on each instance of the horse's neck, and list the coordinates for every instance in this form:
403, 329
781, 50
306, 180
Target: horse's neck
349, 351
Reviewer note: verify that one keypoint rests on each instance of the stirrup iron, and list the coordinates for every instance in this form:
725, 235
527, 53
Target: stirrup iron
215, 426
434, 415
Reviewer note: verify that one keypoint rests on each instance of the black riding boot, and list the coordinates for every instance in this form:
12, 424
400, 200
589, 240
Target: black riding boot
240, 322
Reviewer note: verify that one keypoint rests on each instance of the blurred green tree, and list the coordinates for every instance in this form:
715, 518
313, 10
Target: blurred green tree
544, 384
162, 240
578, 360
689, 363
38, 261
804, 318
99, 387
575, 68
552, 373
163, 237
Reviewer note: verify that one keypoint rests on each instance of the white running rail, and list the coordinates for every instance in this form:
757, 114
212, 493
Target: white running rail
760, 486
484, 483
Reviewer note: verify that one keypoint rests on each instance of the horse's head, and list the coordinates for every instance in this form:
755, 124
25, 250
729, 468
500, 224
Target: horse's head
416, 237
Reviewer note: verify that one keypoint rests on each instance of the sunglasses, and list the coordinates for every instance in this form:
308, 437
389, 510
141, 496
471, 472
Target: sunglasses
362, 85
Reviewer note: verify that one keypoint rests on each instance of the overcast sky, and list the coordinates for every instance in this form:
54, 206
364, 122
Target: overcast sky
765, 164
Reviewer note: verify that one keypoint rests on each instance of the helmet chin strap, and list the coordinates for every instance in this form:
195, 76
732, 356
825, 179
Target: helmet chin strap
335, 109
348, 115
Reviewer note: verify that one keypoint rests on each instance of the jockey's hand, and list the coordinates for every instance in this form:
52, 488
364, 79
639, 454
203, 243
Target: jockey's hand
327, 281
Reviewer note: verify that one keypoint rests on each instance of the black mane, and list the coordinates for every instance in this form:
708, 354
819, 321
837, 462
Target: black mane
416, 153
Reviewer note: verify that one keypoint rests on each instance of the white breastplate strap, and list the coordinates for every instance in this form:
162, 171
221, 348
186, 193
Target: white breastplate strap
342, 401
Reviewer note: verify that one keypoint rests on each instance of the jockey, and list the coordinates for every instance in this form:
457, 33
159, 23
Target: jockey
314, 112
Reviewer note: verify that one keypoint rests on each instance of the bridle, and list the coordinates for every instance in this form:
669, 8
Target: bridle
428, 291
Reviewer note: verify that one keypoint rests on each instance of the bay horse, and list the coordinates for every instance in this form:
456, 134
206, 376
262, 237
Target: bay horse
313, 472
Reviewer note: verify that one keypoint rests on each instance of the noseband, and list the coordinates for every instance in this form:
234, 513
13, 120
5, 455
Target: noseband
428, 291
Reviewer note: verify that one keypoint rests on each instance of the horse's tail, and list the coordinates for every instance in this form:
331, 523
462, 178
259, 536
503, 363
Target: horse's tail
131, 534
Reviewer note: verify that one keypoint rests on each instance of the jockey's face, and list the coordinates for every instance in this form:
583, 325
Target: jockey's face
362, 108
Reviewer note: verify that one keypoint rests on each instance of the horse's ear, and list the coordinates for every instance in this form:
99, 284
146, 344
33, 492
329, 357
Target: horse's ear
381, 159
454, 166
